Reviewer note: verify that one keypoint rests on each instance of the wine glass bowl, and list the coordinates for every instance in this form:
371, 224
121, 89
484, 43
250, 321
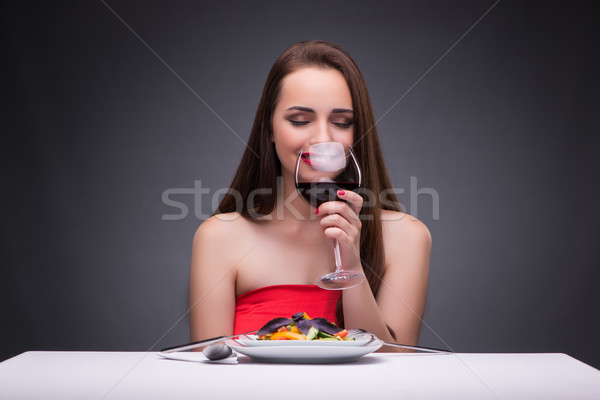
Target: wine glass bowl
321, 170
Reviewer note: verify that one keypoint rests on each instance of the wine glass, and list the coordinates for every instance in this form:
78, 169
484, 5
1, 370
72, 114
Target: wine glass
322, 170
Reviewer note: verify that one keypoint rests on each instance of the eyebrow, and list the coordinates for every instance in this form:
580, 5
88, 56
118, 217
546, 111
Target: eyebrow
341, 111
310, 110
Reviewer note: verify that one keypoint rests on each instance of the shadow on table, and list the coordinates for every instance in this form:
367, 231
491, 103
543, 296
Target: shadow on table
366, 360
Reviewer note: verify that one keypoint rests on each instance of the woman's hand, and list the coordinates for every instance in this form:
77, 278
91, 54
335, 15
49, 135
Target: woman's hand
340, 221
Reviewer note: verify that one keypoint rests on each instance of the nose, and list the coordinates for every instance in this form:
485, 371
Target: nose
321, 132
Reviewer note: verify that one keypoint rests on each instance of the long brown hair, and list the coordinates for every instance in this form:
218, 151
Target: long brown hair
260, 166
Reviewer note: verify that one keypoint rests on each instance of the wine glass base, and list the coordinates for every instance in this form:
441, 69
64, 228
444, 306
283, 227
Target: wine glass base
340, 280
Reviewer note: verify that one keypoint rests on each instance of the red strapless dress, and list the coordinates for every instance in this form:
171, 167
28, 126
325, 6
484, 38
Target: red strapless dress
255, 308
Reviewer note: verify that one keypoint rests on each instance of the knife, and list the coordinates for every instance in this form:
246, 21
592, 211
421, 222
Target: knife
354, 332
200, 343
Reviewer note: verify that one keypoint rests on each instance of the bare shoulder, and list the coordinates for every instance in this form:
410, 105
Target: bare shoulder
401, 228
223, 235
221, 226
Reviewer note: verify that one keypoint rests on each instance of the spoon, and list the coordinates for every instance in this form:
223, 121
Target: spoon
217, 351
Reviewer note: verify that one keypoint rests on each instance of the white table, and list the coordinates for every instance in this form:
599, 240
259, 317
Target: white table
133, 375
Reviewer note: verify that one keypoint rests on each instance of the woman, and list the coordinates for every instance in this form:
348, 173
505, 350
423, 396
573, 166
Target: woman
265, 248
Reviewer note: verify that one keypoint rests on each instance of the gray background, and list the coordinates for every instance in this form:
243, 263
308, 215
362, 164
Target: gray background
95, 128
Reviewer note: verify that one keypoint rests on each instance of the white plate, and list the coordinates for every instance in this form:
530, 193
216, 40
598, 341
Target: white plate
304, 351
252, 341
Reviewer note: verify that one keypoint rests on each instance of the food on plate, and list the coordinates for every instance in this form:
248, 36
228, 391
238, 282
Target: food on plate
302, 327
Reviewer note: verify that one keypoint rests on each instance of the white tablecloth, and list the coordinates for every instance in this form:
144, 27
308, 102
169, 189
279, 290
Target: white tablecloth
134, 375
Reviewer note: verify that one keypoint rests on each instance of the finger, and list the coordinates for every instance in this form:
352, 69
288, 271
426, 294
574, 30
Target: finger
333, 232
353, 199
339, 207
350, 251
337, 222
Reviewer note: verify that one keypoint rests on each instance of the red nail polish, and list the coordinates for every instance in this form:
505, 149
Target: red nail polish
316, 211
341, 192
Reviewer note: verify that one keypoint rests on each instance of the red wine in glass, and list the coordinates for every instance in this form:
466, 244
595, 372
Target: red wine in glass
317, 193
322, 170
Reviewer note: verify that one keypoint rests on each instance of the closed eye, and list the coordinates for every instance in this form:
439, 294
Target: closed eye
298, 123
343, 125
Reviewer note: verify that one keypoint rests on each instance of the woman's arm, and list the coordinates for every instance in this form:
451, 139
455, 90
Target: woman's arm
400, 302
403, 292
212, 281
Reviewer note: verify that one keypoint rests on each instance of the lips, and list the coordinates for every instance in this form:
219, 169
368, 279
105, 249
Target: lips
306, 158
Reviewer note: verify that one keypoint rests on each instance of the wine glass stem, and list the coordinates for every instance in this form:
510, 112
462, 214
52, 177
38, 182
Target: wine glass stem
337, 255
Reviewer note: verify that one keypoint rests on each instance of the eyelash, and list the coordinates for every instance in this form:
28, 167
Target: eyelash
338, 124
343, 125
298, 123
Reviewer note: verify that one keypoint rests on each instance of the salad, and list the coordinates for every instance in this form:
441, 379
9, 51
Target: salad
301, 327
